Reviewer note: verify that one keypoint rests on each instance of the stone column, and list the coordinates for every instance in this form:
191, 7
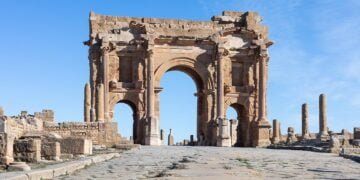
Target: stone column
305, 121
170, 139
262, 89
276, 131
153, 135
87, 102
323, 129
100, 103
105, 63
161, 134
223, 139
192, 142
263, 126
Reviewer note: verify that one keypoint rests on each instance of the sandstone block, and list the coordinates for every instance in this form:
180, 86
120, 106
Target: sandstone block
28, 150
76, 146
51, 150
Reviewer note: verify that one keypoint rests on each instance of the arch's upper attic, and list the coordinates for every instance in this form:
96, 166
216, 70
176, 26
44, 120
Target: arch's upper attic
228, 54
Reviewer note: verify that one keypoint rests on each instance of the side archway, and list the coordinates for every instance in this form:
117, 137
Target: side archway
240, 125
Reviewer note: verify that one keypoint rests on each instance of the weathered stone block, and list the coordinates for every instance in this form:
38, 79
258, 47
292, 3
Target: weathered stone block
76, 146
28, 150
50, 150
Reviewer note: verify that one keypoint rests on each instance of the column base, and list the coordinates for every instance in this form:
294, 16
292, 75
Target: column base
223, 140
262, 135
323, 137
305, 137
275, 140
153, 140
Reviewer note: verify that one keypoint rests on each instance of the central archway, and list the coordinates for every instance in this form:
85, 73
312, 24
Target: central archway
178, 106
188, 67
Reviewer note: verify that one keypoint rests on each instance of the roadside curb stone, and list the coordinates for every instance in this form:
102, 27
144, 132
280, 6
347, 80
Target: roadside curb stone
52, 171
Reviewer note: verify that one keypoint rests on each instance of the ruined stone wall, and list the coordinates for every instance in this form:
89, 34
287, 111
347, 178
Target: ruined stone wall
100, 133
18, 126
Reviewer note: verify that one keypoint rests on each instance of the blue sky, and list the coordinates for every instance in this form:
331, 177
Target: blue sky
43, 63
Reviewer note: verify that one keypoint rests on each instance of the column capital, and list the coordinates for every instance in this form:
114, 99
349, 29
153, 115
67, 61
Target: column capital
222, 52
106, 47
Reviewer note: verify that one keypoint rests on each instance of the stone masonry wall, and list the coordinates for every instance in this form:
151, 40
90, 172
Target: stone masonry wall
28, 150
100, 133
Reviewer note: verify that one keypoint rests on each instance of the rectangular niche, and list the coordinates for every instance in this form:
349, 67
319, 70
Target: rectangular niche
237, 73
126, 69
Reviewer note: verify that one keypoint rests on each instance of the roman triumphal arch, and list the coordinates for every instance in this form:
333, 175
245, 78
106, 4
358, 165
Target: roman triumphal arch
226, 57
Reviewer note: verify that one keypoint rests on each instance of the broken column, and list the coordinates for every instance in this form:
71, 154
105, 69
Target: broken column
100, 103
276, 131
161, 134
170, 139
305, 121
6, 150
323, 129
291, 137
192, 142
87, 102
356, 140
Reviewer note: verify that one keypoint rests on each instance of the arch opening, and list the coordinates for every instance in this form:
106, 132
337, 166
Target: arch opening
239, 124
125, 114
180, 109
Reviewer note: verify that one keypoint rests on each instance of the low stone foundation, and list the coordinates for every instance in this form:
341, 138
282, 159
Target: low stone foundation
100, 133
76, 146
28, 150
50, 150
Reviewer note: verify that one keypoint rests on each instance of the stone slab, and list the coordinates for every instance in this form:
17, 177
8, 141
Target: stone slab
52, 171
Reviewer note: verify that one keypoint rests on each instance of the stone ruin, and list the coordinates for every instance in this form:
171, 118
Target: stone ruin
31, 138
226, 57
325, 139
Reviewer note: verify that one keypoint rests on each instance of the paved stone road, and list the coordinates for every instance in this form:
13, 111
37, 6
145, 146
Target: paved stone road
215, 163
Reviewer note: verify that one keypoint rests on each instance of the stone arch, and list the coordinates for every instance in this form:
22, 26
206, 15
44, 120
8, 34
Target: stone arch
243, 122
137, 107
203, 81
198, 73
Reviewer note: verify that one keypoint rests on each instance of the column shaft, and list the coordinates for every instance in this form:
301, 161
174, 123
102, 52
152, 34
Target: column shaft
305, 121
100, 103
87, 102
322, 115
150, 86
105, 58
224, 138
262, 89
276, 131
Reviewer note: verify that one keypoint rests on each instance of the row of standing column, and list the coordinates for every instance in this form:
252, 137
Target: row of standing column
102, 94
305, 133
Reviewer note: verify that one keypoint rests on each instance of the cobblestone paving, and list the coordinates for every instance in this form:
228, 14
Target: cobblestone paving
214, 162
